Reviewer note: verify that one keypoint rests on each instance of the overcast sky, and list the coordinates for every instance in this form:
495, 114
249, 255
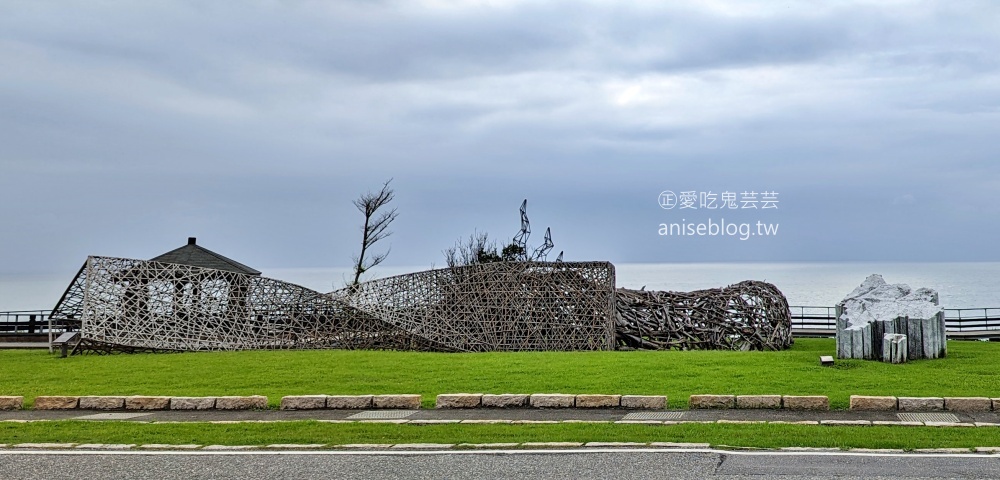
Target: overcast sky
127, 127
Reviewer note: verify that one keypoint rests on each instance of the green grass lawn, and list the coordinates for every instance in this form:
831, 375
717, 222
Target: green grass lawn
754, 435
969, 370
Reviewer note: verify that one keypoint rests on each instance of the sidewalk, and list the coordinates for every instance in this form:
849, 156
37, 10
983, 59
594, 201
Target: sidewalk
525, 415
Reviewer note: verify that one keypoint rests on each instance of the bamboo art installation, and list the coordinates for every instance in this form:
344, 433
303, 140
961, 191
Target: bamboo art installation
135, 305
749, 315
126, 305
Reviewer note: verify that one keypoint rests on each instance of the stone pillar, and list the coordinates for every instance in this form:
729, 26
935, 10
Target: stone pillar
894, 348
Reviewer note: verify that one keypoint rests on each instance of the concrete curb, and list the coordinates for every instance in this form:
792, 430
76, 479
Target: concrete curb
506, 400
924, 404
101, 447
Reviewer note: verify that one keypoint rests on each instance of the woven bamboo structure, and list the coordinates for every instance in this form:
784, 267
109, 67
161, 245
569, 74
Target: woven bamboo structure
749, 315
127, 305
135, 305
501, 306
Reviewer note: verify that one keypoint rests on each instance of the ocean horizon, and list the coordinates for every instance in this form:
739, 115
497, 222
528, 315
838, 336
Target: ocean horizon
959, 284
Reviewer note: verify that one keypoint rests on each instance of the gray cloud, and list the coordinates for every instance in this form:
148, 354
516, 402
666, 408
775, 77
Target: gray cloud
253, 125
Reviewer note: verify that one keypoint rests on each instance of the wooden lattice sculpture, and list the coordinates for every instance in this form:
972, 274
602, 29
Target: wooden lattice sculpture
749, 315
135, 305
499, 306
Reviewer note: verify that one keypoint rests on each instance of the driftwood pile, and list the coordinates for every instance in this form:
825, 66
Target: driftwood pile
749, 315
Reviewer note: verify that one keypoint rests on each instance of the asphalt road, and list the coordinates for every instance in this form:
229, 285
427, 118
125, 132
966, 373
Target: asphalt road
618, 464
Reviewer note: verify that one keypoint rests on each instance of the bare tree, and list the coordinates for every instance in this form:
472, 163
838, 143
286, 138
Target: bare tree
376, 228
477, 249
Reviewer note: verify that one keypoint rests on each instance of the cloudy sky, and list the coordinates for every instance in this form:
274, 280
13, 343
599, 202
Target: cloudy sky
127, 127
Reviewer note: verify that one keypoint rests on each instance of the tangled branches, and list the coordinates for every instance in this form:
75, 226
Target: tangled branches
749, 315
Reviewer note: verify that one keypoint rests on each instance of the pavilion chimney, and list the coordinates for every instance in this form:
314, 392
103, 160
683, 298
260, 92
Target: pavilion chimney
192, 240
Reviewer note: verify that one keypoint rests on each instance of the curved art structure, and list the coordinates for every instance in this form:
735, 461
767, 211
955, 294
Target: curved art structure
502, 306
749, 315
126, 305
135, 305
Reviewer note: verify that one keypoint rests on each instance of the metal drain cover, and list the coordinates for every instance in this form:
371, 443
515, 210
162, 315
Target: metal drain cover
928, 417
653, 416
381, 415
111, 416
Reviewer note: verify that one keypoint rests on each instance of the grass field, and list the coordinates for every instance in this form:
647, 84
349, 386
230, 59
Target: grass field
307, 432
969, 370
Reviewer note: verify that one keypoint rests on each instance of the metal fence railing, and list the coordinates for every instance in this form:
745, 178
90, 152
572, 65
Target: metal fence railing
816, 319
957, 320
25, 322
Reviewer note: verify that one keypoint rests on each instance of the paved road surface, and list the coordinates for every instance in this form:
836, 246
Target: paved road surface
618, 464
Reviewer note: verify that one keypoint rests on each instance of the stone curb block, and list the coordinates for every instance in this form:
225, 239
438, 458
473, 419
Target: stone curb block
504, 400
614, 444
598, 401
252, 402
56, 403
105, 446
11, 403
59, 446
711, 401
192, 403
349, 402
651, 402
870, 403
552, 400
920, 404
459, 400
303, 402
423, 446
164, 446
146, 402
678, 445
102, 403
552, 444
805, 402
758, 401
968, 404
487, 445
996, 404
405, 402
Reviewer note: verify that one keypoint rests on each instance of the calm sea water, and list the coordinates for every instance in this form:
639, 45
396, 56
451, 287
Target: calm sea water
961, 285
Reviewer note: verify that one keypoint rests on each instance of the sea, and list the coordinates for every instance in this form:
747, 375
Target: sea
960, 285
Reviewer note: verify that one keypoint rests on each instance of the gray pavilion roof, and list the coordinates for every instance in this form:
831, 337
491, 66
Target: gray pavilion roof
196, 256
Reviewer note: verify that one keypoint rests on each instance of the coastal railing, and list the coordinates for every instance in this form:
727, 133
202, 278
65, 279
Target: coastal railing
959, 322
25, 322
806, 321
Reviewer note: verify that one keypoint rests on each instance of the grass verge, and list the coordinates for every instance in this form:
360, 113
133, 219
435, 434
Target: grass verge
969, 370
306, 432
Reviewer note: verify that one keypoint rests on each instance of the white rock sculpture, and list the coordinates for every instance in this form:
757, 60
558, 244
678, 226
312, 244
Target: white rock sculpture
876, 308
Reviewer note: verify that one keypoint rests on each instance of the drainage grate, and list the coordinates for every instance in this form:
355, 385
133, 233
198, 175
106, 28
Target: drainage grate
381, 415
653, 416
928, 417
112, 416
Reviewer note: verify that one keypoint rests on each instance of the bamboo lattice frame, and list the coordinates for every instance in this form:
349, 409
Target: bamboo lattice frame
135, 305
126, 305
749, 315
